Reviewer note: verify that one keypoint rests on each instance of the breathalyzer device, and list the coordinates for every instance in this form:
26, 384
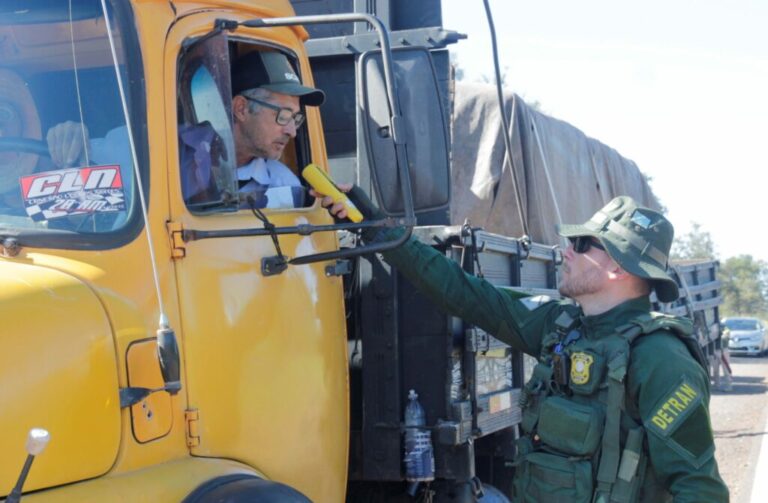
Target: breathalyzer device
322, 183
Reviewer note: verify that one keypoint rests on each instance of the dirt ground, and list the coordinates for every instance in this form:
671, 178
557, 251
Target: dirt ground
738, 421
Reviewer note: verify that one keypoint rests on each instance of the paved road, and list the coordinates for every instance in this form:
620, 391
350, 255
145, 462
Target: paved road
739, 423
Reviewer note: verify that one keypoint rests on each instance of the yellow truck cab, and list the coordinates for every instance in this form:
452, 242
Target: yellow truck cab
165, 361
168, 337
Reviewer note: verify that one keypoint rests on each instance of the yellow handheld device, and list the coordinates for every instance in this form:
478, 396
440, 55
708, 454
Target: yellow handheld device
322, 183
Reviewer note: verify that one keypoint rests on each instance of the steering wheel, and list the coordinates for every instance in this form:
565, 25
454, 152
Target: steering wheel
28, 145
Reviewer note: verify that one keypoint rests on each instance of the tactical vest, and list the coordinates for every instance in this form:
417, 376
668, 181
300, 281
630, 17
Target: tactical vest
578, 442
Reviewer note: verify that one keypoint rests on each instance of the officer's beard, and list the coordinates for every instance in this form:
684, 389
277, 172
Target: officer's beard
588, 282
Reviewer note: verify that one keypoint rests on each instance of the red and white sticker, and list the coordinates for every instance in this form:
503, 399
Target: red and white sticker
73, 191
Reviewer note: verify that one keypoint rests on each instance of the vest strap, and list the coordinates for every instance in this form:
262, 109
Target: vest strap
631, 469
631, 455
618, 477
609, 457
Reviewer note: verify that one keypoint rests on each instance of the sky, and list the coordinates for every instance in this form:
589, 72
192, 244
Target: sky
680, 87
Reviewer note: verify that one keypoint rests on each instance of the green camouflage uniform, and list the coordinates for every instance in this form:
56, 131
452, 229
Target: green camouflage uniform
663, 391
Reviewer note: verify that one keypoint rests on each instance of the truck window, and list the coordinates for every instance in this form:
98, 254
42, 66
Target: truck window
65, 160
238, 147
206, 147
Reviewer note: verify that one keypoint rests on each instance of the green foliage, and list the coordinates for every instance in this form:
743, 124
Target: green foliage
745, 286
696, 244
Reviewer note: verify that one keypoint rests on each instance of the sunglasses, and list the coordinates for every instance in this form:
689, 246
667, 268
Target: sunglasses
582, 244
283, 116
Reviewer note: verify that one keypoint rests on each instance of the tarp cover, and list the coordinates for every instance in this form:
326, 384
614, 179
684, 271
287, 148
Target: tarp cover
564, 176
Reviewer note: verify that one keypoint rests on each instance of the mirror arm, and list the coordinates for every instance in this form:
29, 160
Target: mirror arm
134, 394
188, 235
357, 251
305, 230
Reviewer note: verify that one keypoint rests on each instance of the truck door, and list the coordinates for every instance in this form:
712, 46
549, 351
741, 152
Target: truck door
265, 364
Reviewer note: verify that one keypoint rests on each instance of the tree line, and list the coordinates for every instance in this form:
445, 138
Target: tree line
744, 279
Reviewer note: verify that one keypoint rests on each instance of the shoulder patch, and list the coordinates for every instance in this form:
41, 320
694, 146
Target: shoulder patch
680, 420
672, 410
532, 303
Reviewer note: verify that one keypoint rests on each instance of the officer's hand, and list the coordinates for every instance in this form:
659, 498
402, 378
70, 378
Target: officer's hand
67, 143
337, 210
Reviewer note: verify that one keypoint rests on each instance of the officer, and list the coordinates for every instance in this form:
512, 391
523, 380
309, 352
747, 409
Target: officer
617, 407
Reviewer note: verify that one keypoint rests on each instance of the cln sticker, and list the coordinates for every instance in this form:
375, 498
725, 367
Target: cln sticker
73, 191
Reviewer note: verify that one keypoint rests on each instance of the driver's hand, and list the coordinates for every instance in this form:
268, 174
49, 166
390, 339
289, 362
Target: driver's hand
67, 143
337, 210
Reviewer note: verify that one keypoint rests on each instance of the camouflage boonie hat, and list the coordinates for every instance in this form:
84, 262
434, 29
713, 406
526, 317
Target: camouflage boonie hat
636, 238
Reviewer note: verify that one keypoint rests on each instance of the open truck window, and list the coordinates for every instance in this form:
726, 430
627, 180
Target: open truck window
66, 166
235, 150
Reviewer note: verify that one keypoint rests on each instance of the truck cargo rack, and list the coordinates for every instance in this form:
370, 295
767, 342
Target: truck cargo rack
700, 299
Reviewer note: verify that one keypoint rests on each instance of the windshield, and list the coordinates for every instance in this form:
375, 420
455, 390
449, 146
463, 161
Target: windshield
66, 167
741, 324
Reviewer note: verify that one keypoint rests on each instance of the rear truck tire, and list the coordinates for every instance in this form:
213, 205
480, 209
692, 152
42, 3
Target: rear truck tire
243, 488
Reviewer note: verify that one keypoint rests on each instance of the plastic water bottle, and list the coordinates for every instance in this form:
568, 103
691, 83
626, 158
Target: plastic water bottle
419, 457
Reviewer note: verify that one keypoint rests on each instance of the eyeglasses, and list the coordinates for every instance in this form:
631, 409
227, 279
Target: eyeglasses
582, 244
284, 115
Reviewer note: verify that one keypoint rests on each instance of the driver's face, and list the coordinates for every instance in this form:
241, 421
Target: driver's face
258, 135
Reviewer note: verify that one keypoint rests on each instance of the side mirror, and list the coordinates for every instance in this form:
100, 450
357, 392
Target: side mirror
424, 124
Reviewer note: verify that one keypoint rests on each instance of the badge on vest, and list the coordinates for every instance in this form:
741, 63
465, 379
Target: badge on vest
586, 372
580, 365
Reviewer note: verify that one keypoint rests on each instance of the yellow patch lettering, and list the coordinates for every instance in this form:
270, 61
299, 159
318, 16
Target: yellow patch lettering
664, 416
677, 405
683, 398
667, 407
685, 388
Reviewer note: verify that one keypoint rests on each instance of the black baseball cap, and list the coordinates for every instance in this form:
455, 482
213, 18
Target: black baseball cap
272, 71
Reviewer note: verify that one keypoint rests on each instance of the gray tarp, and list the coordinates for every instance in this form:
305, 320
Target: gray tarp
564, 175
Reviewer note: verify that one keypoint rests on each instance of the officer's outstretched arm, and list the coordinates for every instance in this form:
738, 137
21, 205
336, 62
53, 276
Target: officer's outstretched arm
497, 311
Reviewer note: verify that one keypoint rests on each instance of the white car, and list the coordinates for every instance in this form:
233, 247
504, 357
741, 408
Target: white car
748, 336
